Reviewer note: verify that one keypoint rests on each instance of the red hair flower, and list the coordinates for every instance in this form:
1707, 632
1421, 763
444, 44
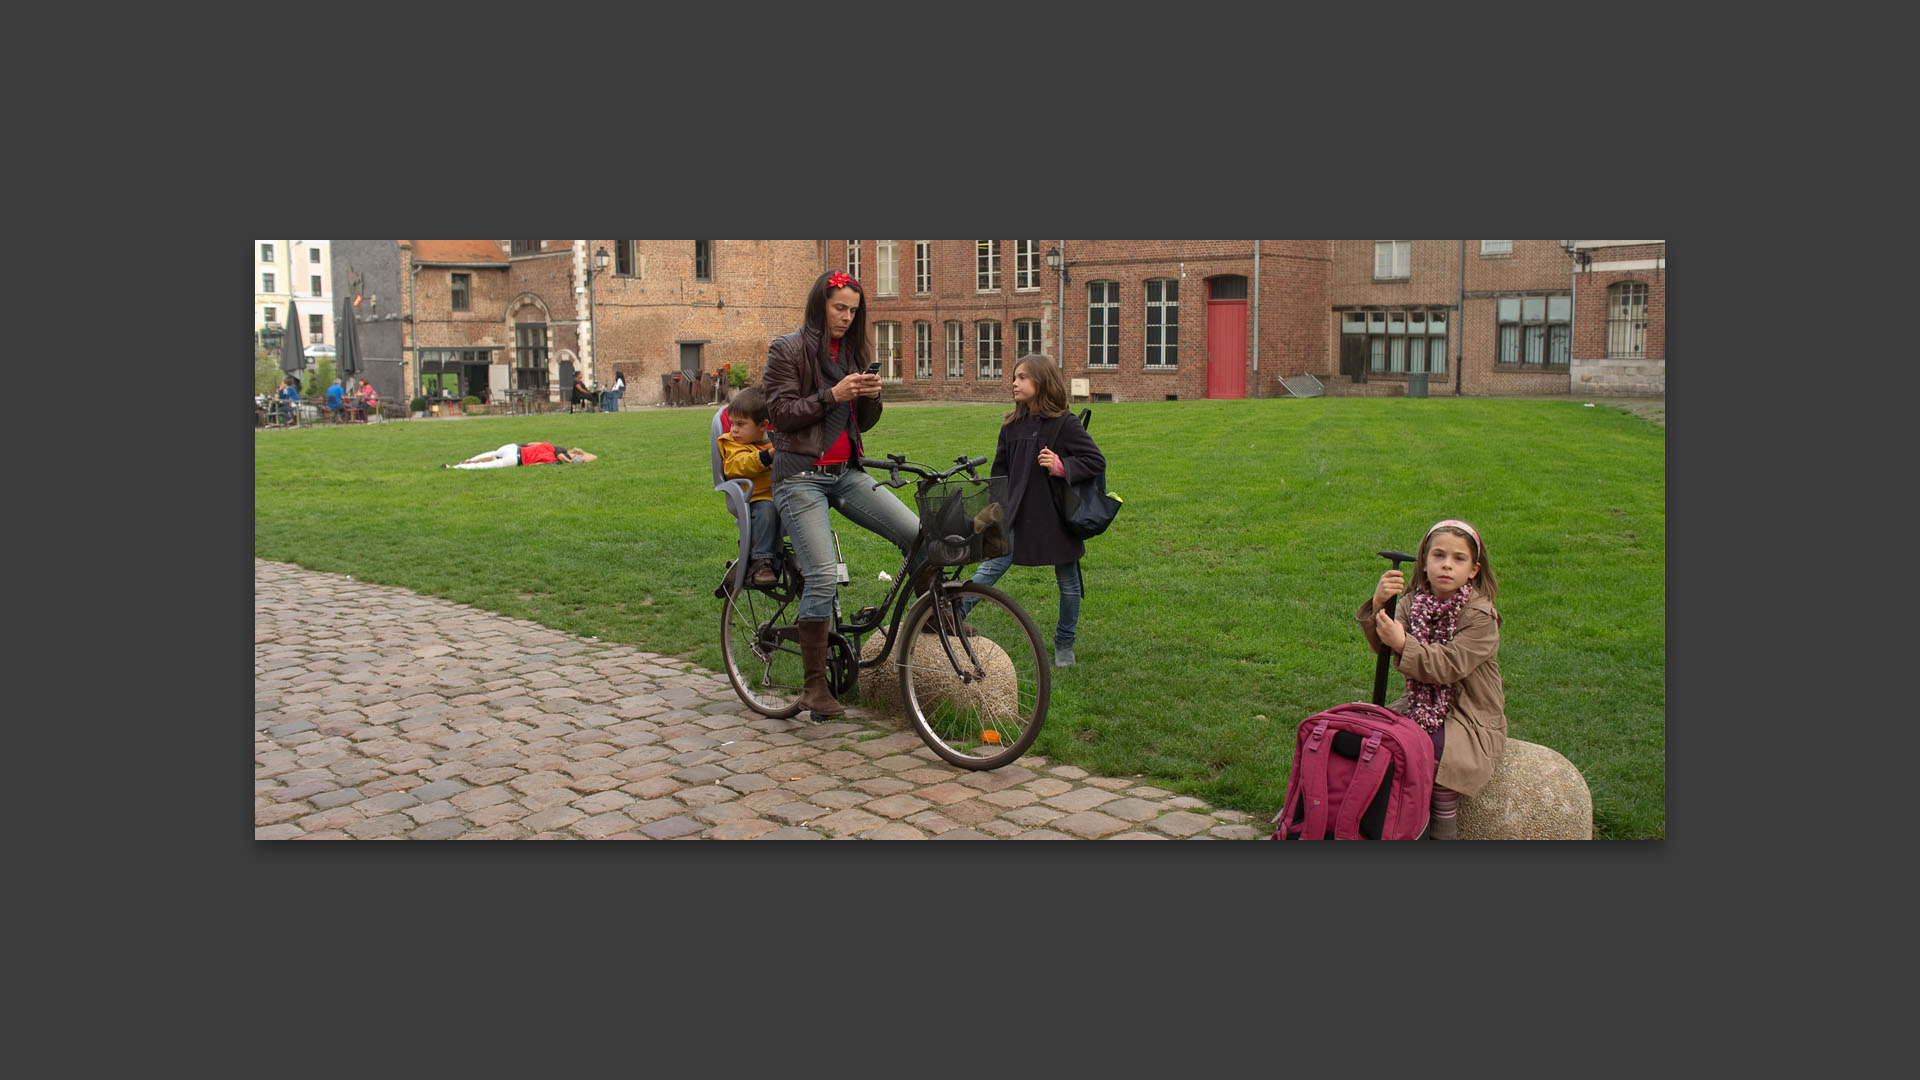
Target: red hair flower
838, 280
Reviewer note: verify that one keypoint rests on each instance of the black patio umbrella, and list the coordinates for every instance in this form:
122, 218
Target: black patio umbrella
293, 358
346, 341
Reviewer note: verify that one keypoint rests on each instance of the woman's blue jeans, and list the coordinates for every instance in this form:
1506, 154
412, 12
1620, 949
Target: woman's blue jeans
803, 501
1065, 575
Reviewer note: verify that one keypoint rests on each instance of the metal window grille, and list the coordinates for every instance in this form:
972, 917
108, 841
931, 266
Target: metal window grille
1026, 338
987, 348
1627, 320
1163, 323
956, 351
1103, 324
887, 347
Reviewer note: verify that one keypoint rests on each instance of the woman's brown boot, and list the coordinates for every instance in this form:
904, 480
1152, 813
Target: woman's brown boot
813, 661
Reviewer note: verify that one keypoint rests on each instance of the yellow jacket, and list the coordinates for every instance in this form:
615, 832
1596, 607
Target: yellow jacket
743, 460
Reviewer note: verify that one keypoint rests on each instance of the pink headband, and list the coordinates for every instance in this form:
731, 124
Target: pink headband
1480, 548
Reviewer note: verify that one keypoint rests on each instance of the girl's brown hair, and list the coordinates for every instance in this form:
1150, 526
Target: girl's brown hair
1049, 388
1482, 580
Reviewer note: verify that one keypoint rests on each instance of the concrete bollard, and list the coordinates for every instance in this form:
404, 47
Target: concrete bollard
1534, 794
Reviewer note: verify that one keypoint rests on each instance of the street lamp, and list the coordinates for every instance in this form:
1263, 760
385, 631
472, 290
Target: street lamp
600, 258
1054, 261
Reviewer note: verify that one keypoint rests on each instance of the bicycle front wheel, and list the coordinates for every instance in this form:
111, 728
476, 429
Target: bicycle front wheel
762, 653
979, 700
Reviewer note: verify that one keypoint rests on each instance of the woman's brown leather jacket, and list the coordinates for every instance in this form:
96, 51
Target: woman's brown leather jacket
799, 399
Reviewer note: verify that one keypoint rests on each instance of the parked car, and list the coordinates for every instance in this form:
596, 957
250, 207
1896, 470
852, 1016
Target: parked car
317, 351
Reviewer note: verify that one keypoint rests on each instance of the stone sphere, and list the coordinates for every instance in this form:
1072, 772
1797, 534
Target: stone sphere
1534, 794
880, 685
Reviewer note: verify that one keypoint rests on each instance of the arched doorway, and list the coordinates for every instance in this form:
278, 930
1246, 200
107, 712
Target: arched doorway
1227, 336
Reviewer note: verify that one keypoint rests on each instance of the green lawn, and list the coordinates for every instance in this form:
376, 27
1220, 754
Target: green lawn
1219, 607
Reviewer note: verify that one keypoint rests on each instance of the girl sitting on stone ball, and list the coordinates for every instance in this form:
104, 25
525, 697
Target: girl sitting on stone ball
1447, 638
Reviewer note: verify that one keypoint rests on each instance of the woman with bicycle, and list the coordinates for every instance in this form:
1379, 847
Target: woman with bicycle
823, 392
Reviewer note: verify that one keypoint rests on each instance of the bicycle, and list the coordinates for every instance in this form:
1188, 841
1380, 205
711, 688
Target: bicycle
975, 690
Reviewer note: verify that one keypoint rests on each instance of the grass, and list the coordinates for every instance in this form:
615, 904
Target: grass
1219, 607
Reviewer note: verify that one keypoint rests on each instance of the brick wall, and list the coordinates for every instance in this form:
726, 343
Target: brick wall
1292, 305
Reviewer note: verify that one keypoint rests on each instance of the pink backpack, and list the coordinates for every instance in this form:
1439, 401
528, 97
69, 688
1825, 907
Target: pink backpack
1360, 772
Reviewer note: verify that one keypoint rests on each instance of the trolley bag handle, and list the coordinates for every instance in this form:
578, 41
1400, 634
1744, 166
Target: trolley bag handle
1380, 669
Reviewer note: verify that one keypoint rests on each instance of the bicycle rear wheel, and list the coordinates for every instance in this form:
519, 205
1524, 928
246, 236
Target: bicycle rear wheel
762, 652
977, 701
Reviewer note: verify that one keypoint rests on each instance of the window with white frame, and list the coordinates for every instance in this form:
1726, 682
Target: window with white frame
1496, 247
1026, 338
1103, 324
266, 253
1627, 319
923, 266
313, 255
853, 259
1026, 264
887, 267
266, 282
1401, 340
986, 338
1392, 259
923, 350
1163, 322
886, 348
986, 260
956, 350
1534, 329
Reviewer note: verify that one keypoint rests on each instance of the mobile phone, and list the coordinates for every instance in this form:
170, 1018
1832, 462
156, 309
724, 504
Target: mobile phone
873, 368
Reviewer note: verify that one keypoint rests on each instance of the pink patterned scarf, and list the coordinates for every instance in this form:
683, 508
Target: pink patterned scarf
1433, 621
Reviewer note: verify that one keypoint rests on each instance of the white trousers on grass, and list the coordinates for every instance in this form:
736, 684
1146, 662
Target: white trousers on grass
504, 458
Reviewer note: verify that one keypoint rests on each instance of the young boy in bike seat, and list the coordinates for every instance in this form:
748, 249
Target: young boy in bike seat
746, 453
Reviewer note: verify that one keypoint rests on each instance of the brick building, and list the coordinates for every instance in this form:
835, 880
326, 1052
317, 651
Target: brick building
1129, 320
1140, 320
494, 318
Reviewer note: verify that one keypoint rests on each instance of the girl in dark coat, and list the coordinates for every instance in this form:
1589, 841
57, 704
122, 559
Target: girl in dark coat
1038, 439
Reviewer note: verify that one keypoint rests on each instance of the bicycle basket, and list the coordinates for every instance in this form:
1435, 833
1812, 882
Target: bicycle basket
964, 520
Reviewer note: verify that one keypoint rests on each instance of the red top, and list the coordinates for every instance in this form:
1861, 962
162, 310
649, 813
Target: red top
842, 447
539, 453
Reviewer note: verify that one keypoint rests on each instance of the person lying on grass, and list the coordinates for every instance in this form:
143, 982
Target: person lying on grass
535, 453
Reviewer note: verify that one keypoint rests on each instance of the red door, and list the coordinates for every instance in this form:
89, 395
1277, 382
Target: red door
1226, 341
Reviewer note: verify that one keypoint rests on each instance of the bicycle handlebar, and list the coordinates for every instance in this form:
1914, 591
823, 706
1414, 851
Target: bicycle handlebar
895, 464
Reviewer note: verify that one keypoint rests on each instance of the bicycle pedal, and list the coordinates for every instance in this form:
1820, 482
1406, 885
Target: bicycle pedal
865, 613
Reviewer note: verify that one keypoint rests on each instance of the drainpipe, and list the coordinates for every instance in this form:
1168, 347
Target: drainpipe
1060, 308
411, 327
593, 331
1573, 312
1460, 319
1256, 318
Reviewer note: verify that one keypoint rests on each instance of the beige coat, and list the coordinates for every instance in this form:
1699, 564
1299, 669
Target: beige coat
1476, 724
